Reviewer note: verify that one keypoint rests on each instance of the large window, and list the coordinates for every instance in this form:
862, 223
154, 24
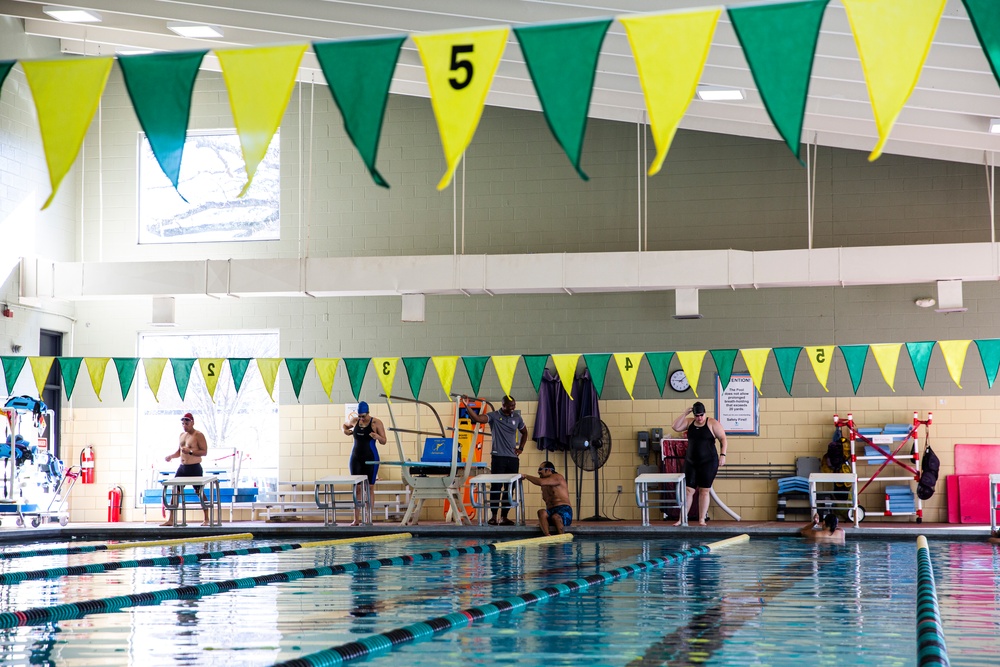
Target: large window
212, 175
241, 428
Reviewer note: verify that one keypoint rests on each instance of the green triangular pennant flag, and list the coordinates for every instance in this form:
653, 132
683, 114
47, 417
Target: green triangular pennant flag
296, 373
160, 86
855, 356
597, 364
69, 367
659, 363
126, 372
182, 374
562, 61
474, 367
724, 364
11, 369
5, 67
985, 16
415, 369
779, 42
238, 369
920, 357
787, 358
359, 72
989, 352
356, 369
535, 363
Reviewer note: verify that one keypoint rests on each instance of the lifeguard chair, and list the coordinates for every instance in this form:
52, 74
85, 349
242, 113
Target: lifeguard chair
441, 477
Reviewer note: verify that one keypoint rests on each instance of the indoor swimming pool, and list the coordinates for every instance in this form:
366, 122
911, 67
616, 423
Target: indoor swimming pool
767, 602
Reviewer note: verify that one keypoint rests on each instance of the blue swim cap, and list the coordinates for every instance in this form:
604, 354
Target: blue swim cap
362, 408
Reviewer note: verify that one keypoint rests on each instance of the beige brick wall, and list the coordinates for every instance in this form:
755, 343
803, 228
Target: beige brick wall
312, 445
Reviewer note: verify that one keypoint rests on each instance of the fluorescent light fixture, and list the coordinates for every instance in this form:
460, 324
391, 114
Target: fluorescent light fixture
72, 14
994, 125
133, 52
720, 94
195, 30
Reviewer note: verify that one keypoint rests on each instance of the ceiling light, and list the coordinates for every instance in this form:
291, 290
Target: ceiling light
72, 14
195, 30
994, 125
720, 94
925, 302
133, 52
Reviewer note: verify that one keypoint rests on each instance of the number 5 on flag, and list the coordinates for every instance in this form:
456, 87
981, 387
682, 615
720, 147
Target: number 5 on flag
459, 68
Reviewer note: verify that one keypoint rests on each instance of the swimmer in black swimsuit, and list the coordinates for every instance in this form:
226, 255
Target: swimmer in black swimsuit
367, 431
702, 462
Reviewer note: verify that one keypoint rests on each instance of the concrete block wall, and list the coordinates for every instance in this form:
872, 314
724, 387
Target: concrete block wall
312, 445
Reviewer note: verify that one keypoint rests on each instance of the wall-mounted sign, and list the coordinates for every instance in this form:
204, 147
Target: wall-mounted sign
737, 408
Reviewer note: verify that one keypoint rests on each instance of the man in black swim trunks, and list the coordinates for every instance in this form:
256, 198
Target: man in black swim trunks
191, 447
701, 463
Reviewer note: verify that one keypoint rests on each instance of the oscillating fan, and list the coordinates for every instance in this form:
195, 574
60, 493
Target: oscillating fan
590, 446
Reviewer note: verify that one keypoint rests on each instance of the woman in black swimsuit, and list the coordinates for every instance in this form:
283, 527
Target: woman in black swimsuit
367, 431
701, 463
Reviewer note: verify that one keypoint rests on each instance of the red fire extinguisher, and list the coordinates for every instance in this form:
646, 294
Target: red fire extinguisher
116, 496
87, 465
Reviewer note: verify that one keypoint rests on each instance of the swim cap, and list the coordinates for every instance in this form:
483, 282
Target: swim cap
362, 408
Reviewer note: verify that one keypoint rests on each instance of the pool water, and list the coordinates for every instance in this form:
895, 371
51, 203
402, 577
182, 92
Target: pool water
769, 602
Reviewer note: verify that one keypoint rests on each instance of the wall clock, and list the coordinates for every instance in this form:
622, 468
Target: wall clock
679, 381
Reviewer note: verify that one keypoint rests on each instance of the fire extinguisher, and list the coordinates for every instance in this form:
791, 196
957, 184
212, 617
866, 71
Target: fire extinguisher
116, 496
87, 465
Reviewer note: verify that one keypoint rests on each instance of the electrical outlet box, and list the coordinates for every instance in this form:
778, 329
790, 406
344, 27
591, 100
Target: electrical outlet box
619, 488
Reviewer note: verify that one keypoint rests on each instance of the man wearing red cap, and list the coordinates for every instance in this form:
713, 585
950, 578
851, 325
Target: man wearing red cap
191, 447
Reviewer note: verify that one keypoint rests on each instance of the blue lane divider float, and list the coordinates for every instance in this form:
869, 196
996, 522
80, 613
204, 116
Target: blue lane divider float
117, 546
383, 643
931, 649
161, 561
42, 615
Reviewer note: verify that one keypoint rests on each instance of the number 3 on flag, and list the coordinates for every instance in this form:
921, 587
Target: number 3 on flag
460, 69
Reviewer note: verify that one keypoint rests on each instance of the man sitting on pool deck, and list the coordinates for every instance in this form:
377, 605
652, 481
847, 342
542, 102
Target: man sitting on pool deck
825, 532
557, 513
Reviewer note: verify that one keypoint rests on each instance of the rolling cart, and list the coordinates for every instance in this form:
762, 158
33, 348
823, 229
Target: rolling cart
34, 484
899, 447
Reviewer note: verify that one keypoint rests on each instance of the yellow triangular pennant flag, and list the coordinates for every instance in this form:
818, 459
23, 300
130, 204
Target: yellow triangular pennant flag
954, 357
210, 369
260, 82
96, 367
460, 67
893, 38
446, 372
326, 369
887, 357
154, 373
505, 366
628, 366
670, 52
755, 359
268, 368
821, 357
40, 367
385, 368
691, 364
566, 370
67, 94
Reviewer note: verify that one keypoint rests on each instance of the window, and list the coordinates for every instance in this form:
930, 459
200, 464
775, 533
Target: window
241, 429
212, 175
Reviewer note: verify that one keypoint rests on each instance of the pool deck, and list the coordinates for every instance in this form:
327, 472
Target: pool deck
886, 530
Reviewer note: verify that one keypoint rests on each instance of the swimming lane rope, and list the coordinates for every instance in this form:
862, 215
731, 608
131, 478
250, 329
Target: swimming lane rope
383, 643
931, 649
162, 561
61, 612
91, 548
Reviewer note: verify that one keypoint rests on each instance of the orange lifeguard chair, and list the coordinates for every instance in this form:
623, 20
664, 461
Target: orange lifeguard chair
470, 438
